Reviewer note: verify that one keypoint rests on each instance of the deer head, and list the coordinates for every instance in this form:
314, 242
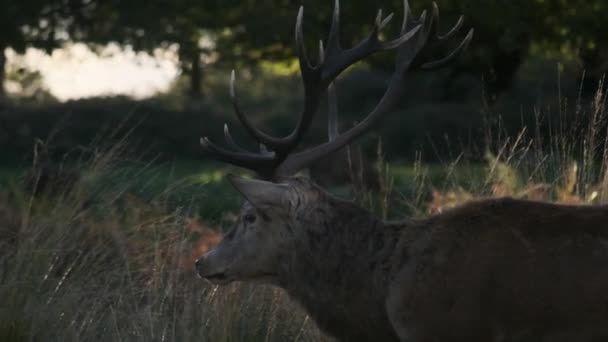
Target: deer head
252, 250
265, 231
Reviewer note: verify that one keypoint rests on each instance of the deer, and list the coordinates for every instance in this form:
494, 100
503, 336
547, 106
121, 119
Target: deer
499, 269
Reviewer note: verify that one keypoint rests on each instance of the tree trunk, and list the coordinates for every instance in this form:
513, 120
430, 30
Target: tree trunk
196, 74
2, 72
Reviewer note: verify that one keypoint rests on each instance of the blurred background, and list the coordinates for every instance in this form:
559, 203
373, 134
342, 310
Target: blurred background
135, 84
106, 197
159, 69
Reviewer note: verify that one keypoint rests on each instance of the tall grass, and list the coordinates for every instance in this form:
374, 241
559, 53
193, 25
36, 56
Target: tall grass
90, 261
562, 156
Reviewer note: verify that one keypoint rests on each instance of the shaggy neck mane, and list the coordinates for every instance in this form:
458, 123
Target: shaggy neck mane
338, 269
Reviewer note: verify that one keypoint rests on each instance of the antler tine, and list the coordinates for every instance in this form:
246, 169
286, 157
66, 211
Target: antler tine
433, 24
251, 129
305, 67
274, 159
300, 160
333, 60
430, 36
332, 102
263, 163
333, 40
440, 63
321, 52
338, 60
332, 113
453, 30
407, 59
247, 160
230, 141
407, 16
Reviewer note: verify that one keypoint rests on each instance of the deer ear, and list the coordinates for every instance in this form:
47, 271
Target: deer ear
260, 193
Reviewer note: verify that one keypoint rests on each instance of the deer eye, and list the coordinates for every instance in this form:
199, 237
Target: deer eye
249, 218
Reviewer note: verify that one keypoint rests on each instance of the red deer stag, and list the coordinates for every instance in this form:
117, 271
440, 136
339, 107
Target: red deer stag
493, 270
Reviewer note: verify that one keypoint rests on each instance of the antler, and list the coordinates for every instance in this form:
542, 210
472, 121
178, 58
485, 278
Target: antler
275, 160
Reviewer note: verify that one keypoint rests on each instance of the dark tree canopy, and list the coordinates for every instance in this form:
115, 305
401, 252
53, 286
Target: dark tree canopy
247, 32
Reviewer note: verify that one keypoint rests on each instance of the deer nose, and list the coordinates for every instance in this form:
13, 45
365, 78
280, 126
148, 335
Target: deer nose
197, 262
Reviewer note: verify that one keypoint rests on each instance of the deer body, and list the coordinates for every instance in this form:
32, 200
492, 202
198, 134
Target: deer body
494, 270
503, 269
487, 271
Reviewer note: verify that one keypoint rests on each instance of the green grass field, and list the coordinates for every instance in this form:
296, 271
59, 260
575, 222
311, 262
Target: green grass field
107, 253
110, 259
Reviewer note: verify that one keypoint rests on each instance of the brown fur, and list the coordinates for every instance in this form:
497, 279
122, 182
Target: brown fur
488, 269
493, 270
503, 269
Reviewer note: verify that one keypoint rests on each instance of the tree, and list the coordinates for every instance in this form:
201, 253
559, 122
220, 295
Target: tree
507, 32
247, 32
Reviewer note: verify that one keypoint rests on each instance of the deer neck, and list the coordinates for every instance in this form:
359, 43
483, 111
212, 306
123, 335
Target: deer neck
339, 268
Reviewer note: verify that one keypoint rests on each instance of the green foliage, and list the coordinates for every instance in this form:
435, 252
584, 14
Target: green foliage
237, 33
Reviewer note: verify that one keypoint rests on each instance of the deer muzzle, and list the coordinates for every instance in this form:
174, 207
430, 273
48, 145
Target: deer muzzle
207, 268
